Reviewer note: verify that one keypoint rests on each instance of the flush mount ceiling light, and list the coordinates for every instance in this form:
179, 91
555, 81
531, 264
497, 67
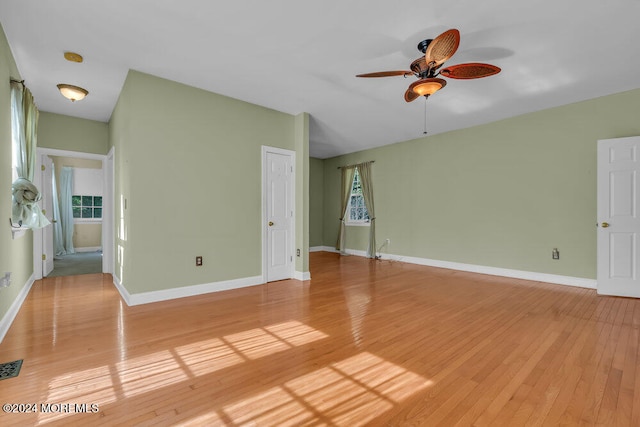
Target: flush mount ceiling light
74, 93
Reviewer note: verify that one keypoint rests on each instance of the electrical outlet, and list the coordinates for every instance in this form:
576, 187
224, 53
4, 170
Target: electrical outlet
198, 261
6, 280
555, 253
297, 252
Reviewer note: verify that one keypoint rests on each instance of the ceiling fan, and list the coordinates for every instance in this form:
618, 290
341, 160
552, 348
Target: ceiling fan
427, 68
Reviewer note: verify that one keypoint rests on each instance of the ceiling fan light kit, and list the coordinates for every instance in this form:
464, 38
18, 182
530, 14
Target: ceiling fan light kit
426, 87
427, 68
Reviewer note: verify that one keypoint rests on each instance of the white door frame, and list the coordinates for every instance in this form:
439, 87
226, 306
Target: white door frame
263, 221
107, 209
46, 204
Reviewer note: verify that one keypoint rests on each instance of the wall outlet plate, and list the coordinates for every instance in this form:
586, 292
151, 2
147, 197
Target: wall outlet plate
198, 261
6, 280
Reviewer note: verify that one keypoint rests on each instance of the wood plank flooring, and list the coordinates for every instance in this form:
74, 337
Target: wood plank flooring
364, 343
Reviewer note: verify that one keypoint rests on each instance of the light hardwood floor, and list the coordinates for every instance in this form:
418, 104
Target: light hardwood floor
364, 343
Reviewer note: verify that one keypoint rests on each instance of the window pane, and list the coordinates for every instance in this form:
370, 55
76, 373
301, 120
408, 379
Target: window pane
87, 201
87, 212
76, 200
358, 209
97, 201
76, 212
97, 212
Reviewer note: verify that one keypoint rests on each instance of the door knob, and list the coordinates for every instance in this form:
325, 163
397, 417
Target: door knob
270, 223
605, 224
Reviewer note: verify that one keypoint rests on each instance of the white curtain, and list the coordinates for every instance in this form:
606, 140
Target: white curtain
24, 125
58, 240
66, 211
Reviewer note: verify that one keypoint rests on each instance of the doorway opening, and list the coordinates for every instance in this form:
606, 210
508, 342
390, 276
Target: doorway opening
82, 242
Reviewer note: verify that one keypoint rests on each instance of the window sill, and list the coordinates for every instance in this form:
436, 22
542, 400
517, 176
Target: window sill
357, 224
16, 233
87, 221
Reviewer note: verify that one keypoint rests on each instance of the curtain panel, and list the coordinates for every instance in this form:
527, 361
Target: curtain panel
347, 180
66, 210
364, 169
58, 240
24, 125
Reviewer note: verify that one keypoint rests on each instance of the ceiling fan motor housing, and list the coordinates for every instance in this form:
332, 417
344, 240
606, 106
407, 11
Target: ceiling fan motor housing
424, 44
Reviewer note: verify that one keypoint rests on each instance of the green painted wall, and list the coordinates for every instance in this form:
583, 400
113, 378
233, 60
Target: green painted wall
73, 134
316, 201
188, 164
16, 255
502, 194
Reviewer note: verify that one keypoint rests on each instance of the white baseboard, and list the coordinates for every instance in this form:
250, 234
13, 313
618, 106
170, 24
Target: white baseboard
302, 275
185, 291
493, 271
11, 314
89, 249
335, 251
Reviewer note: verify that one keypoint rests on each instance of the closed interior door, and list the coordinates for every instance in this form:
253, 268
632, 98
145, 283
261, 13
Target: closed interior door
618, 222
279, 215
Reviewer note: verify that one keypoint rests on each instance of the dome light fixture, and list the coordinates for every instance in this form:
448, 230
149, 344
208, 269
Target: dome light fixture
74, 93
427, 87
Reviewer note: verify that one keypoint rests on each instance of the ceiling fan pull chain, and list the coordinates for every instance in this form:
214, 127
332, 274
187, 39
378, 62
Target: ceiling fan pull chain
425, 116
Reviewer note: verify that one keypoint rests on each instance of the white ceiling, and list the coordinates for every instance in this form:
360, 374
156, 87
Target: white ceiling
301, 56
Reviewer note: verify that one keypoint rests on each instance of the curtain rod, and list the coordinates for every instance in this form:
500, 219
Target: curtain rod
349, 166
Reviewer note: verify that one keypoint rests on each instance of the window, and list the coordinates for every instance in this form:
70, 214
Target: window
15, 130
86, 207
357, 211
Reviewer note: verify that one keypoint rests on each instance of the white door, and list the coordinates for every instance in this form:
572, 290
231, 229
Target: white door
279, 210
618, 220
47, 209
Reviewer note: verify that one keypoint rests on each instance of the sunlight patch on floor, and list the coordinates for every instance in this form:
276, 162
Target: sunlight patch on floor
360, 387
88, 386
134, 376
142, 374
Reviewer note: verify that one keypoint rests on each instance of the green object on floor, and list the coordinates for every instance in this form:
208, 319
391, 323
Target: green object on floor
78, 263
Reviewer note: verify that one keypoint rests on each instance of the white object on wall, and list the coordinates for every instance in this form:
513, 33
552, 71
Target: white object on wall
87, 182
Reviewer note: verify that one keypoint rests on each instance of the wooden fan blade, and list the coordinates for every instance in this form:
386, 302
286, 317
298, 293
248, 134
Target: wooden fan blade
471, 70
410, 95
387, 74
442, 47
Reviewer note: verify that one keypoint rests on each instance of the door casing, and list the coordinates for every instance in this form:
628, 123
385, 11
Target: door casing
47, 207
107, 209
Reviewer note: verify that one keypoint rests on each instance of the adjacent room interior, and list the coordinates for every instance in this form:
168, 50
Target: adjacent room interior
231, 246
